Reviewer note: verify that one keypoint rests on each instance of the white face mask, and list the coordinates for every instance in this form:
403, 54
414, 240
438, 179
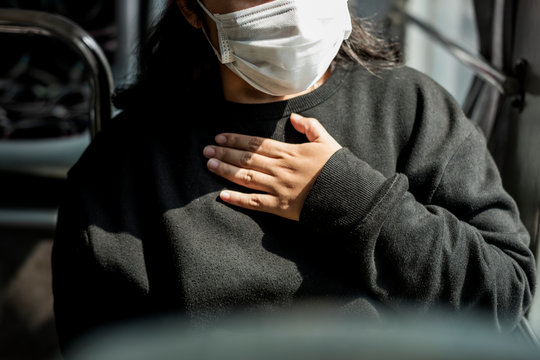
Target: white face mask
285, 46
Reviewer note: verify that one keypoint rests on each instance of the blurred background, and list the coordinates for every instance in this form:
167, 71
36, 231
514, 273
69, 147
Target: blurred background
483, 52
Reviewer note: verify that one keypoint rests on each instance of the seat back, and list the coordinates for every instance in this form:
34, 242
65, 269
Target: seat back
34, 168
37, 23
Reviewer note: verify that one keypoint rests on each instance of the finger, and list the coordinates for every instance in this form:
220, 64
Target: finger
259, 202
240, 158
268, 147
248, 178
310, 127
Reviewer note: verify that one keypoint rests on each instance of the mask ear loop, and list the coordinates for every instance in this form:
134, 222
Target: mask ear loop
226, 55
212, 46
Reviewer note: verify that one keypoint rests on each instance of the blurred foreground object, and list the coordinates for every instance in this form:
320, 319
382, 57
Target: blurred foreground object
305, 337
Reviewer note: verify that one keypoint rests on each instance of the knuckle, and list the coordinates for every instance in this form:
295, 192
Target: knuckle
245, 158
220, 152
247, 177
254, 143
284, 204
255, 202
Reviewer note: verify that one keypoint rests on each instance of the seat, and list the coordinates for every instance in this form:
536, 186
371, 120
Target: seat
37, 23
51, 158
33, 167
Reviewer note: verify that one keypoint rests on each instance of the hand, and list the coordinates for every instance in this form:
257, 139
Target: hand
284, 172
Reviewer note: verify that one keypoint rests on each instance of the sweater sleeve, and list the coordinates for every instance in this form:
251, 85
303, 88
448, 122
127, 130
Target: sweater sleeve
465, 248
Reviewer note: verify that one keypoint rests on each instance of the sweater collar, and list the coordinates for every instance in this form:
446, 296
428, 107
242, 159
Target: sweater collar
281, 109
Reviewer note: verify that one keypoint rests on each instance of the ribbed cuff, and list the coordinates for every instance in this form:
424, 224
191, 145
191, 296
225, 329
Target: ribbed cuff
344, 193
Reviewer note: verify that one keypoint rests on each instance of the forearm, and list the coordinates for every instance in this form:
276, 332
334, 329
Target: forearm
410, 252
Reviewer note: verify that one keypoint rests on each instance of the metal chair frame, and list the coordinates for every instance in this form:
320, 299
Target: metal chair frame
28, 22
37, 23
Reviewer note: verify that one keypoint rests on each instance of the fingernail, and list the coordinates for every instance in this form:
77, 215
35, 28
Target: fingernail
295, 116
221, 139
225, 195
209, 151
213, 164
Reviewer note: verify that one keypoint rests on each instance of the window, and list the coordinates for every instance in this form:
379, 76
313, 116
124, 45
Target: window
453, 19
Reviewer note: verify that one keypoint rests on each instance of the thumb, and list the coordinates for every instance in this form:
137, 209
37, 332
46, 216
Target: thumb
310, 127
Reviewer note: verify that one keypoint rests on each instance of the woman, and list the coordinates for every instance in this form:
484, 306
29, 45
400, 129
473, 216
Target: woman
269, 157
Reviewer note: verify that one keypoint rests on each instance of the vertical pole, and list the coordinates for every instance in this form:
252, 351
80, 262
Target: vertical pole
128, 14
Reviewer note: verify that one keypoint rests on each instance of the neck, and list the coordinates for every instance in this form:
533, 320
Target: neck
237, 90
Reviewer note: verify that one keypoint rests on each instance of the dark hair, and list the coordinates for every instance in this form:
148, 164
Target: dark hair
176, 60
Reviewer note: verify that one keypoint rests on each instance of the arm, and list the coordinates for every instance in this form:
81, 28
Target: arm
465, 247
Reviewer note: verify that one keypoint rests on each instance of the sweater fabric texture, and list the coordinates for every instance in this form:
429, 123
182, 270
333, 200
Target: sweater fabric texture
410, 211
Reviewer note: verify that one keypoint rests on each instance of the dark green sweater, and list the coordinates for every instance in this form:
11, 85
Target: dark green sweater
410, 211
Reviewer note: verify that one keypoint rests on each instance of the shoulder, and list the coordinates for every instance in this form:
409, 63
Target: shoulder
112, 148
423, 104
400, 82
406, 100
